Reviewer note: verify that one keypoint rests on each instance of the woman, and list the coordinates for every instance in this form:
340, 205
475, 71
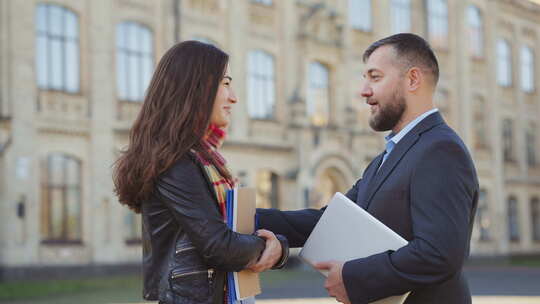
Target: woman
173, 174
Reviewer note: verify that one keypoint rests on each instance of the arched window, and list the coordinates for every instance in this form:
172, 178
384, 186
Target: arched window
61, 198
437, 23
476, 35
134, 60
513, 219
57, 48
261, 85
504, 63
318, 98
401, 16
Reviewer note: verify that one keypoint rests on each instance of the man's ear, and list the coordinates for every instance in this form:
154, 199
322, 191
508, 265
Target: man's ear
415, 78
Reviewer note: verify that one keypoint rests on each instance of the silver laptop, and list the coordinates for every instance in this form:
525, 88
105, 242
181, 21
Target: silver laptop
346, 232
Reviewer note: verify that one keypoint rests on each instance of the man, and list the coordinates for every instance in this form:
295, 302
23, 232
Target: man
423, 186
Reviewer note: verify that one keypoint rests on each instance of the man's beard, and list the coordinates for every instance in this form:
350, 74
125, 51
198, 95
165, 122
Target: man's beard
390, 114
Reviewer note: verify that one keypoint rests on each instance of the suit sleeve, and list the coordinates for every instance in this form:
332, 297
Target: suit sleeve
296, 226
442, 190
187, 195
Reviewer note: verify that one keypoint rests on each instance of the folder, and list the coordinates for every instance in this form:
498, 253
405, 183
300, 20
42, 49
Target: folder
241, 207
346, 232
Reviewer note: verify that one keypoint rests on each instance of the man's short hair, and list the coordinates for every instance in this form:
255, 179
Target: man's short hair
412, 50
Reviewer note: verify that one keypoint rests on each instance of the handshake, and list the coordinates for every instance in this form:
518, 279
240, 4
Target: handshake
274, 256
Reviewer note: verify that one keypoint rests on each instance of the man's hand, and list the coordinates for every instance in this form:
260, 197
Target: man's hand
271, 254
334, 282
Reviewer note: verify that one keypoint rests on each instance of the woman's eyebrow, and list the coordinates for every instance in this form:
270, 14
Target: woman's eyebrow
228, 77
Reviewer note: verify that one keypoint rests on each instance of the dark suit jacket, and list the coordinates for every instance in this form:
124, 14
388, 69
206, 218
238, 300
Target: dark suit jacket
426, 191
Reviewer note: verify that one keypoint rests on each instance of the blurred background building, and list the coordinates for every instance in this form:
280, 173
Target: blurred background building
73, 75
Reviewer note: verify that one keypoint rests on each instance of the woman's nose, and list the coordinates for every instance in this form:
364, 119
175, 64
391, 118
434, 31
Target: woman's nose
232, 97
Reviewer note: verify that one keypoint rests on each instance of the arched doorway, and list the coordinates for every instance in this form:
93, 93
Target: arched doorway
327, 183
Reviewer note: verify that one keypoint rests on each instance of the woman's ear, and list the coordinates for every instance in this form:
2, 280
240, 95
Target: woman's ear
414, 79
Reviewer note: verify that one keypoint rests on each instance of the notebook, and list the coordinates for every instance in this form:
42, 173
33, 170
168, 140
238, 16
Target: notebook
241, 218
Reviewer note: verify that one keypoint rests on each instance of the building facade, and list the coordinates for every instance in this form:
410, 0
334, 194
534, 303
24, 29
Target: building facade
73, 75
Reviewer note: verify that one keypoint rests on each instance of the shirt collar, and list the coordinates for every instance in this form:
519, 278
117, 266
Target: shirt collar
397, 137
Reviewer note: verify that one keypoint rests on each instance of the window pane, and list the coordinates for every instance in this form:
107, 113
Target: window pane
72, 66
41, 18
513, 219
318, 95
475, 28
73, 204
56, 60
260, 85
535, 213
527, 69
72, 172
121, 34
56, 20
146, 41
41, 62
132, 37
133, 76
147, 68
57, 213
401, 16
504, 68
121, 75
360, 14
56, 170
438, 22
72, 26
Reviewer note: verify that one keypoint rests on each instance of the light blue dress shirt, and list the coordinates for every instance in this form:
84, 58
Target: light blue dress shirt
393, 139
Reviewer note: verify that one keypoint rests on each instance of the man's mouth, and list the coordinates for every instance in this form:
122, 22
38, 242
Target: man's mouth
374, 105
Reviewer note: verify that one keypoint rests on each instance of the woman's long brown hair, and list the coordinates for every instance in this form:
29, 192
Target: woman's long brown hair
173, 119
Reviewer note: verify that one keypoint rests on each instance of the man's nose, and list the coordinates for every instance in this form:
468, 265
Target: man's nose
366, 91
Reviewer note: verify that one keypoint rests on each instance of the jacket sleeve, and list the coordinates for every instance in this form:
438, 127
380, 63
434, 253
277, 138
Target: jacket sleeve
443, 189
297, 225
186, 193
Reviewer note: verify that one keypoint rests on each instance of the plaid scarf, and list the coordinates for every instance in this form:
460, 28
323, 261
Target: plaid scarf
211, 142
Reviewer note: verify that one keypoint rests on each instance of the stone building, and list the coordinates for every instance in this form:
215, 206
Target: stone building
73, 75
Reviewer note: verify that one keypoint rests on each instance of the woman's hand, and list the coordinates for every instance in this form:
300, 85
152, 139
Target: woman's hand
271, 254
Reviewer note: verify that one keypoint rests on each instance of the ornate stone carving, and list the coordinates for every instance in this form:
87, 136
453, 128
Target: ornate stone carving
321, 23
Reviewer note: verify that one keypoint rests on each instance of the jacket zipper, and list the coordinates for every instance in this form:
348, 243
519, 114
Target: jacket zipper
174, 276
184, 249
209, 271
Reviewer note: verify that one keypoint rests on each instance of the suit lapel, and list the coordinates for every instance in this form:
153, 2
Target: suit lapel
397, 154
366, 179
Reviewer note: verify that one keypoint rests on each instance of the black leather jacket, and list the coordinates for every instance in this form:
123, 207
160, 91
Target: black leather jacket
187, 248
